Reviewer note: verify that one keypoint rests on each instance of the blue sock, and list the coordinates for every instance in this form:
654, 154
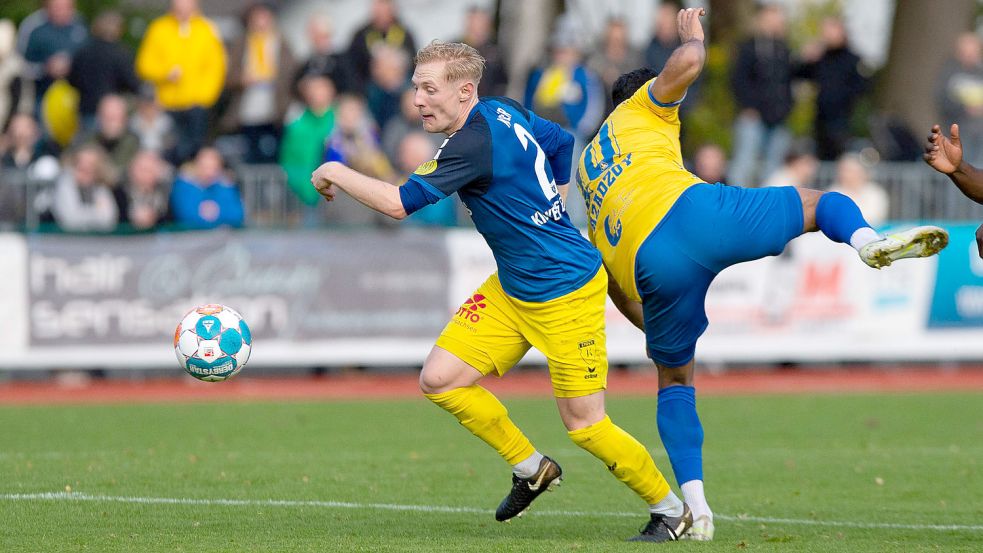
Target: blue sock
681, 432
838, 217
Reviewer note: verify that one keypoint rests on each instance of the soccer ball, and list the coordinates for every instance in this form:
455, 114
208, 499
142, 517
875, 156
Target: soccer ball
212, 342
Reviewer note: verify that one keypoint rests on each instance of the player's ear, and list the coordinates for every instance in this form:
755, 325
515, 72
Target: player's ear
466, 91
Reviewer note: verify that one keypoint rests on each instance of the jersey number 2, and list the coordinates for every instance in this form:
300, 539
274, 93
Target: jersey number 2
548, 185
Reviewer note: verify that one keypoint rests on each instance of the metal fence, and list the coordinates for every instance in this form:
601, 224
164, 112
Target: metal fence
917, 193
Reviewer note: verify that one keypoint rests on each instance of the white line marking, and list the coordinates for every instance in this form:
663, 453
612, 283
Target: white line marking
76, 496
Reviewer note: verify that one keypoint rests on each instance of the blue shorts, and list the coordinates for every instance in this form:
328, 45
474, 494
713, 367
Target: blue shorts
709, 228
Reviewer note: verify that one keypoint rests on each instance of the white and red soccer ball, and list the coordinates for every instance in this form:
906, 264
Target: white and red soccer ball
212, 342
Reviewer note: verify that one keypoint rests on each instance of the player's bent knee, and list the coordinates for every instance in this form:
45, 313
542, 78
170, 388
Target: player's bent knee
581, 412
810, 200
434, 381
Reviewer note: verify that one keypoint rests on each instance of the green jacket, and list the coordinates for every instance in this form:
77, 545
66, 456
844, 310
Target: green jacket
302, 151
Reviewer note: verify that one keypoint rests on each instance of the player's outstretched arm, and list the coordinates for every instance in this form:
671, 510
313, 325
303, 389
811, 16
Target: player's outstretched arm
379, 195
945, 155
632, 310
558, 145
686, 61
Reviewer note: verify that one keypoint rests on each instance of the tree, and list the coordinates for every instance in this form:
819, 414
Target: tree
922, 38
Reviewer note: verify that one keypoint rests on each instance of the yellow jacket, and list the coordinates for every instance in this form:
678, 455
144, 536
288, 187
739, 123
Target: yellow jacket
196, 50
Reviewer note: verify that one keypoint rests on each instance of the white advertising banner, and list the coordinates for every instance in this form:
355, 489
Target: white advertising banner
381, 299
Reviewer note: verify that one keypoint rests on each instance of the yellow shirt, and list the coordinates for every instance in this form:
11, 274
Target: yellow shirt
196, 49
630, 175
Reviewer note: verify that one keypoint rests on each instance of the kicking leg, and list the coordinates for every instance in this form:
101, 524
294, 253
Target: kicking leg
839, 218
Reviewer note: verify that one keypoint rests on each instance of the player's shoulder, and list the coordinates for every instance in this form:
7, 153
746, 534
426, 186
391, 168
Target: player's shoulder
471, 139
505, 101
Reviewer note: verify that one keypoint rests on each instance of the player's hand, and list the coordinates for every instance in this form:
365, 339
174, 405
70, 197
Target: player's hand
321, 179
688, 21
944, 154
979, 240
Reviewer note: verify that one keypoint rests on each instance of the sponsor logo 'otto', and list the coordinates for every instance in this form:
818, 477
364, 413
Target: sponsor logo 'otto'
469, 311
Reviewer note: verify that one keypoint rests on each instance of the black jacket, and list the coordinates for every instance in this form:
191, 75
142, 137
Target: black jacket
100, 68
762, 78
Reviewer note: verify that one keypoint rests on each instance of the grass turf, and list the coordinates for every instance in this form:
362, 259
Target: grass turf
903, 460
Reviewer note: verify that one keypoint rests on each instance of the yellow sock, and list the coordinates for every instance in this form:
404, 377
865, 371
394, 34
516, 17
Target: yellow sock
625, 457
479, 411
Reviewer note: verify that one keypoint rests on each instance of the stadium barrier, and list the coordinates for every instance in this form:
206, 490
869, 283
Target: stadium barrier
916, 193
316, 299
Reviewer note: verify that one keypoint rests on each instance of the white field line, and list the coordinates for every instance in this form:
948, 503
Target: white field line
75, 496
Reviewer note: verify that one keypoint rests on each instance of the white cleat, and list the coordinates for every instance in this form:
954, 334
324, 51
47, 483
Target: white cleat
915, 242
702, 530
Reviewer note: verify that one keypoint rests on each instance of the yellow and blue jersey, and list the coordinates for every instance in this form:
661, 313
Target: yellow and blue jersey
631, 174
506, 164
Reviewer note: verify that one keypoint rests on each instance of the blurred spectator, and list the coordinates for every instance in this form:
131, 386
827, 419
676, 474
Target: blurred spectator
761, 81
414, 150
565, 91
960, 94
103, 65
836, 71
183, 57
353, 141
202, 197
665, 39
383, 27
83, 200
304, 142
479, 33
710, 163
11, 66
389, 80
261, 69
324, 60
152, 125
853, 181
614, 57
48, 39
146, 189
22, 144
798, 169
112, 133
403, 124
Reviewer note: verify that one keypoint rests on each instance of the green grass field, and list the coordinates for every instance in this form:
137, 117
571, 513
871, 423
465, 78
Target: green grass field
798, 473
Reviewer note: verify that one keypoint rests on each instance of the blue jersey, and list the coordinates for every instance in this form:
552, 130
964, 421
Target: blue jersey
505, 164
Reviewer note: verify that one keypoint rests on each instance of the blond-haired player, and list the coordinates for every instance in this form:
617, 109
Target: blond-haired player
511, 169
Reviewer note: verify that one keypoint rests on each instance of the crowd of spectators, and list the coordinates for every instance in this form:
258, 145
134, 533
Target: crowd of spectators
149, 136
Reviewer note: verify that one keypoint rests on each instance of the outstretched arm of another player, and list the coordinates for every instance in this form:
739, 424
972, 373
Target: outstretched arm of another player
686, 61
379, 195
631, 309
945, 155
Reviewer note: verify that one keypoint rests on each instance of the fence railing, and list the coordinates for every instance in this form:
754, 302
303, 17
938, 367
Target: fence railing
916, 193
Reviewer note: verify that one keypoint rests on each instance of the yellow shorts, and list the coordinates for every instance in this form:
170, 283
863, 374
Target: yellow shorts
492, 331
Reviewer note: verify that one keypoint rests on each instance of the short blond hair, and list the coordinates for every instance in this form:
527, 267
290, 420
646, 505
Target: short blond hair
462, 61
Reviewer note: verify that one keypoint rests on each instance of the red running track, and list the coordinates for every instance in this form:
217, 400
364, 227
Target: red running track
350, 386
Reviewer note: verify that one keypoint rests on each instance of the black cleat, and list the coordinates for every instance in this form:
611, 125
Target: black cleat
524, 490
664, 528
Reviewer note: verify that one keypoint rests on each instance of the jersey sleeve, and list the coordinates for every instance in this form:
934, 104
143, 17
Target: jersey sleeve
463, 161
558, 145
643, 99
